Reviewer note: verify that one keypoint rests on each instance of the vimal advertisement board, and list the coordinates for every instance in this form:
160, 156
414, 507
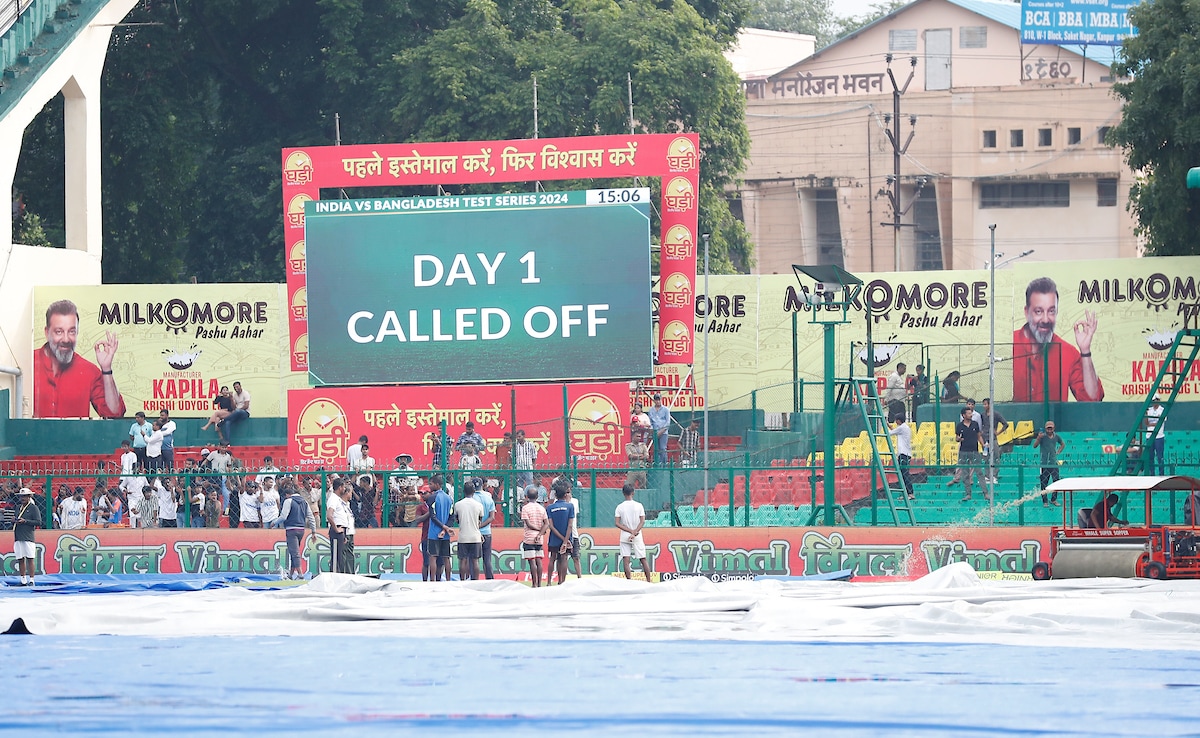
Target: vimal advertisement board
535, 286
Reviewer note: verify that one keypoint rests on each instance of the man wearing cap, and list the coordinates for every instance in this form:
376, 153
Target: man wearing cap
660, 425
1050, 444
534, 520
248, 505
1156, 436
29, 516
630, 517
438, 538
404, 489
469, 436
469, 512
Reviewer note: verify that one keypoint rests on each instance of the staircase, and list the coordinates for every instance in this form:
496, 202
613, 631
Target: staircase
1134, 456
888, 474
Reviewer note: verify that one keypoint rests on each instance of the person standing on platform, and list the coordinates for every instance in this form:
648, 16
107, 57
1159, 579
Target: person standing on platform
28, 517
630, 517
893, 397
469, 436
918, 387
1156, 436
999, 424
139, 431
660, 426
524, 459
1050, 444
354, 454
902, 434
967, 434
168, 441
689, 444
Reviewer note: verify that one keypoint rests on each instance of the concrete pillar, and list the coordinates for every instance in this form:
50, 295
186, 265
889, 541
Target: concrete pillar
81, 140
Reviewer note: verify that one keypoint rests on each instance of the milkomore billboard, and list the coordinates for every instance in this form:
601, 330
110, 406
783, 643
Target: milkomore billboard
479, 288
168, 347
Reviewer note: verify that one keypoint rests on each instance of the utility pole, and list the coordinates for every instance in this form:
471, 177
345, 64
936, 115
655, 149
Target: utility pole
899, 150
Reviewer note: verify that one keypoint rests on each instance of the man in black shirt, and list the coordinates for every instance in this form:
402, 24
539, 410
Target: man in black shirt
967, 434
29, 516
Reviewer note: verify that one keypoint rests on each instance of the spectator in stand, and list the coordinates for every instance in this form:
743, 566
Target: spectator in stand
950, 391
975, 416
967, 434
404, 485
504, 452
637, 453
1156, 436
154, 442
248, 507
268, 470
222, 407
268, 502
168, 444
241, 411
234, 509
894, 396
205, 465
28, 517
139, 431
689, 444
1050, 444
220, 461
524, 458
212, 507
902, 433
168, 501
362, 503
147, 509
365, 462
660, 424
129, 459
639, 424
311, 492
132, 486
999, 425
72, 512
99, 504
354, 454
918, 388
469, 461
534, 521
469, 436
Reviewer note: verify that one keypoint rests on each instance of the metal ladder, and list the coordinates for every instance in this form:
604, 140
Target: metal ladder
1173, 371
867, 396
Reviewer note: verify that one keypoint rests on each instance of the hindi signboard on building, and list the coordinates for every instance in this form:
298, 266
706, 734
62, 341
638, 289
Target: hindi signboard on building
1076, 22
479, 288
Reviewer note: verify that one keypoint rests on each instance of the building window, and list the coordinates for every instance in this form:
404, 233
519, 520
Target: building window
1106, 193
1102, 135
1016, 138
902, 40
989, 139
1025, 195
1073, 136
972, 37
927, 239
1045, 137
829, 228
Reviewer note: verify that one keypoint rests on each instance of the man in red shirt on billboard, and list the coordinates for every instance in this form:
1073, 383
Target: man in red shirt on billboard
1035, 342
64, 383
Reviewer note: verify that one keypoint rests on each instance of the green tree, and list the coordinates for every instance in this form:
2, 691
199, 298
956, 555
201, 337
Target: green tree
1160, 125
814, 17
200, 96
849, 24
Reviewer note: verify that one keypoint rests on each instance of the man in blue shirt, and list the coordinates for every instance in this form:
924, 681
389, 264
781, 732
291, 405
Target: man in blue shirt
138, 433
660, 425
561, 513
438, 543
484, 496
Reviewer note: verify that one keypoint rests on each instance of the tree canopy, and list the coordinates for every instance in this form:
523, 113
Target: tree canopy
1160, 126
813, 17
200, 96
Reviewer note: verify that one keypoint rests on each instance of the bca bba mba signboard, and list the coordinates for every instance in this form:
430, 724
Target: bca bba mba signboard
479, 288
1076, 22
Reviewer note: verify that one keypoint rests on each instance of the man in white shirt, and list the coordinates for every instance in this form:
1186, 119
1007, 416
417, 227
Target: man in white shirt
365, 461
268, 470
524, 457
132, 486
154, 457
168, 445
355, 453
893, 397
469, 512
72, 511
338, 514
220, 461
248, 500
268, 502
630, 517
902, 438
574, 532
1156, 436
168, 504
128, 459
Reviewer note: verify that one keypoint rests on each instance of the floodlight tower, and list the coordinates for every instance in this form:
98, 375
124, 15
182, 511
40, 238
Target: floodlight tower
830, 299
